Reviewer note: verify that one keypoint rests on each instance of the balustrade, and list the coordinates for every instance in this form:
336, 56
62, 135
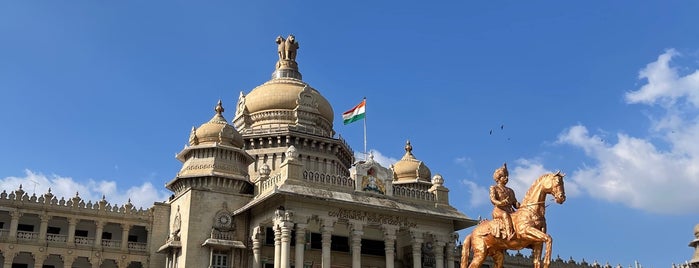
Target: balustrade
4, 234
137, 246
56, 238
107, 243
27, 236
334, 180
84, 241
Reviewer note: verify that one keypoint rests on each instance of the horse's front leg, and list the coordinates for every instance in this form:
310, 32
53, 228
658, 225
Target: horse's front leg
533, 234
536, 254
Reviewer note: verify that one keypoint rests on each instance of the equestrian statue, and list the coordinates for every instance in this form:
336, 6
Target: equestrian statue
510, 229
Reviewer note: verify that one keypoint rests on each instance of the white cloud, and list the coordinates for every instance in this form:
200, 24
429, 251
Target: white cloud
141, 196
383, 160
478, 195
638, 172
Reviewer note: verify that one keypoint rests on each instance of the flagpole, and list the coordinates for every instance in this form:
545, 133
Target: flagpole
365, 154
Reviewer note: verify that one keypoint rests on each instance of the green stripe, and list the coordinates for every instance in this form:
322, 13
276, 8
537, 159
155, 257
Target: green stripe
354, 118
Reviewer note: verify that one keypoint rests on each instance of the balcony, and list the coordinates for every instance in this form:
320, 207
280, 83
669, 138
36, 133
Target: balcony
58, 239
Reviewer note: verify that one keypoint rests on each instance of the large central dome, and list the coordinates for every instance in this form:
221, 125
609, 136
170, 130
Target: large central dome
285, 99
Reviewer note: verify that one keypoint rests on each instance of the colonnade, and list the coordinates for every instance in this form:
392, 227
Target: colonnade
283, 225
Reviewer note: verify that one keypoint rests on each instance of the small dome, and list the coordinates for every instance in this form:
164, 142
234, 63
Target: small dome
217, 130
409, 169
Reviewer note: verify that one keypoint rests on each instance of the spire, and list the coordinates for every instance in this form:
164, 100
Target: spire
286, 65
408, 150
219, 108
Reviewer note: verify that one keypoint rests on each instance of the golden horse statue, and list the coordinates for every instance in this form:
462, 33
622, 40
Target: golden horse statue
529, 226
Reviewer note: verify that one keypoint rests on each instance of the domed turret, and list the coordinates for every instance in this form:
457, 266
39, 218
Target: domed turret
408, 169
217, 130
215, 150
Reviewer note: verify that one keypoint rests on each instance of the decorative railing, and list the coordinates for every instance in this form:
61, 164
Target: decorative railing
27, 236
70, 204
270, 182
334, 180
222, 235
84, 241
406, 192
4, 234
56, 238
137, 246
107, 243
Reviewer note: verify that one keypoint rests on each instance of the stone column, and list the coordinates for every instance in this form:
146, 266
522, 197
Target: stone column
285, 227
256, 247
389, 239
277, 246
72, 222
43, 227
356, 235
300, 244
125, 236
439, 254
95, 262
14, 222
417, 249
98, 233
9, 258
39, 260
451, 246
326, 229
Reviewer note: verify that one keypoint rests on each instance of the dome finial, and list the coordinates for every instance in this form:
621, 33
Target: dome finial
286, 65
219, 108
408, 147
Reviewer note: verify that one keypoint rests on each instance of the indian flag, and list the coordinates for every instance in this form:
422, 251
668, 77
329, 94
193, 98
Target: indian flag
354, 114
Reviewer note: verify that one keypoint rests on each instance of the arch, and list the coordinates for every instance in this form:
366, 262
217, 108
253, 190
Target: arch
26, 258
135, 264
81, 262
53, 260
109, 263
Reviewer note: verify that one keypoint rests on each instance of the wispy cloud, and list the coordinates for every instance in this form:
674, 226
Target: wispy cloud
637, 171
141, 196
383, 160
477, 195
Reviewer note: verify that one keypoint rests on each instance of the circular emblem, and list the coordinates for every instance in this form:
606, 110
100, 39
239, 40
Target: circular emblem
224, 219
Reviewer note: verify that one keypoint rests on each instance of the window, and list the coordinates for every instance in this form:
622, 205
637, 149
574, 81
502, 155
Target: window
220, 259
373, 247
2, 224
53, 230
107, 235
19, 265
81, 233
337, 243
269, 236
133, 238
25, 227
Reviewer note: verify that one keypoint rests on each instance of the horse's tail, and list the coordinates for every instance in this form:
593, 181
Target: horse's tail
466, 251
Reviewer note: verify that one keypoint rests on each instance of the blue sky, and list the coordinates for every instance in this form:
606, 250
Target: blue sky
98, 97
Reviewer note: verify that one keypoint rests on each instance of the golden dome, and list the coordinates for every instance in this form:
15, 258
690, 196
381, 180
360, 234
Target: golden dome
285, 94
217, 130
409, 169
285, 100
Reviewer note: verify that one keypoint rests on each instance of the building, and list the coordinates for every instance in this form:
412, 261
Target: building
274, 188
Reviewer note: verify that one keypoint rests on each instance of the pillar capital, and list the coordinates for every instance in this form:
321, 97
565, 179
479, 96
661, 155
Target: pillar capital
44, 217
417, 235
283, 215
356, 226
327, 224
